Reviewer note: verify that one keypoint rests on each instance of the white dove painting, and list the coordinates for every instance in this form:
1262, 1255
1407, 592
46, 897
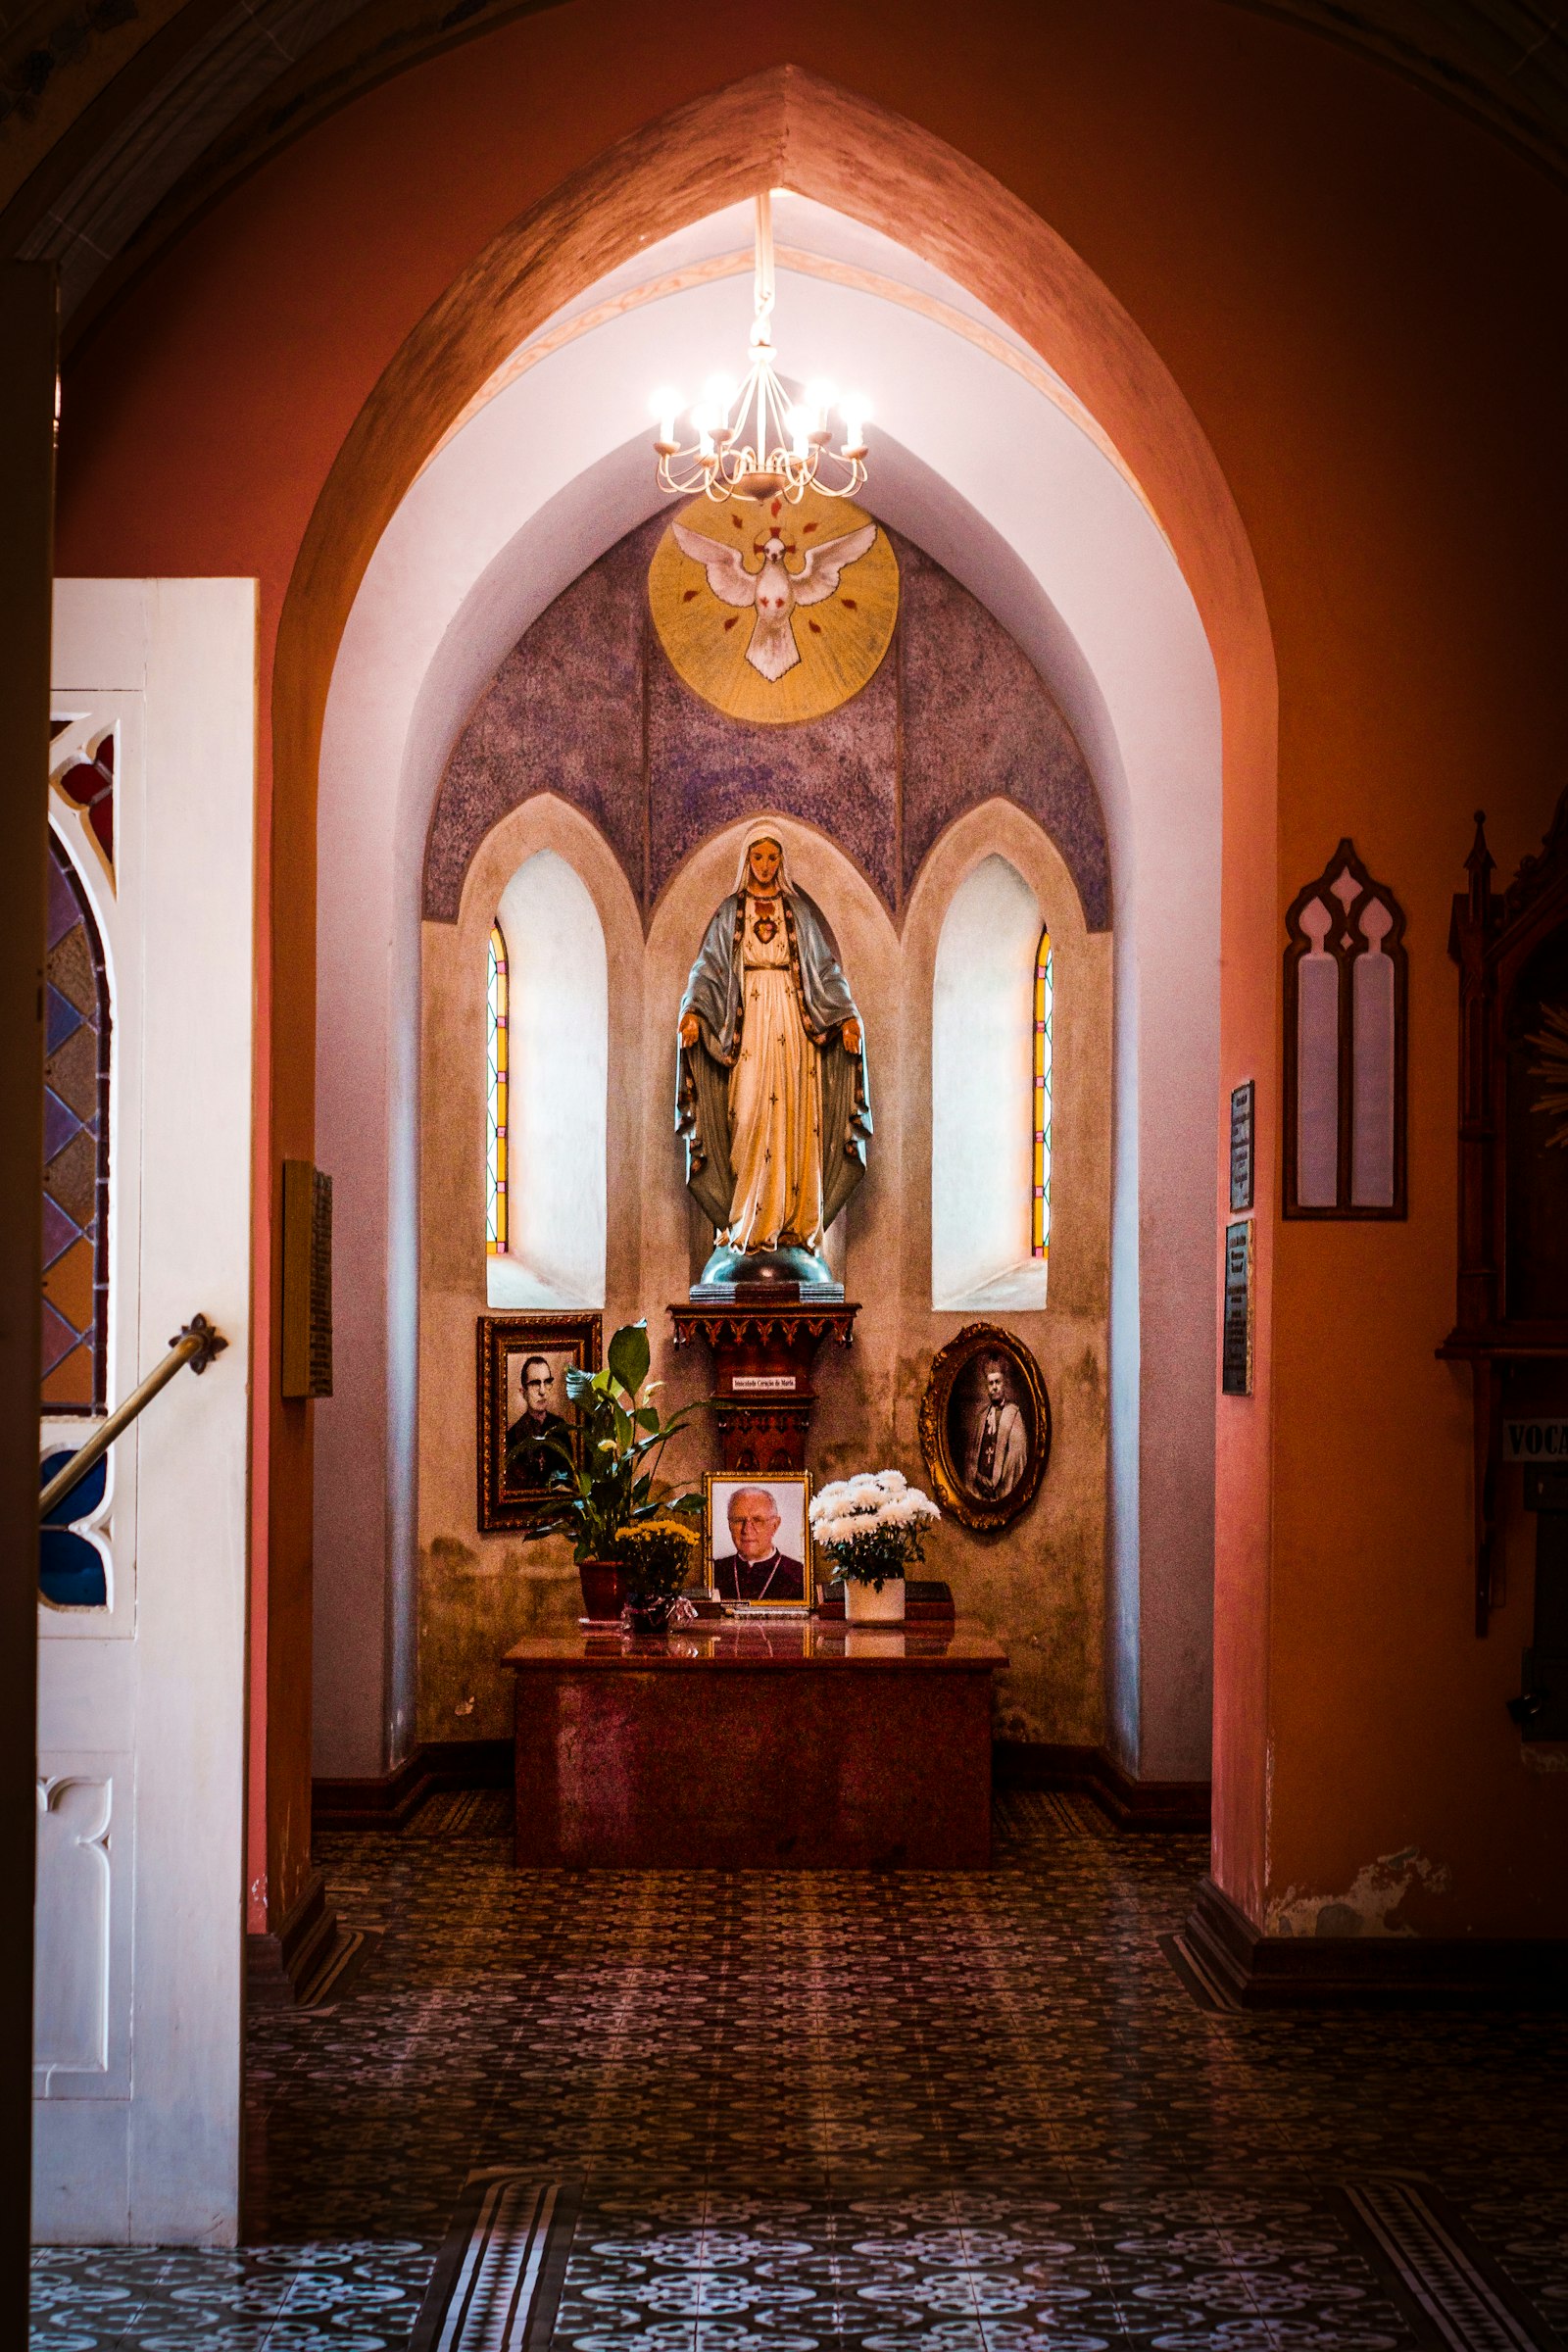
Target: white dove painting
778, 612
775, 591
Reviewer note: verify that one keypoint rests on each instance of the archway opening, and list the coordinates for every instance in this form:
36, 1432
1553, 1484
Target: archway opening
539, 480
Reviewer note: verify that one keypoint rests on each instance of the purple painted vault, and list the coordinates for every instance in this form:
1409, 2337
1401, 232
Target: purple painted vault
587, 706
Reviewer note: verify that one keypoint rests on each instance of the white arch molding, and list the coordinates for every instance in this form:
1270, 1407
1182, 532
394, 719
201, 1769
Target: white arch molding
1031, 516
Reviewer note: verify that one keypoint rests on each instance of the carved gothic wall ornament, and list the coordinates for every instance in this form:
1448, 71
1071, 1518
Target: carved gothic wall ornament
1346, 1020
774, 612
985, 1426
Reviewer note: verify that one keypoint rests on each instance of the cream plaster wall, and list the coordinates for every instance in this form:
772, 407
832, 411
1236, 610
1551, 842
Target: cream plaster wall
1040, 1584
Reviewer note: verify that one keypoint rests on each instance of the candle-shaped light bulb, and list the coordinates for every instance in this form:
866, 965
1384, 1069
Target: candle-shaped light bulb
820, 398
665, 404
718, 395
797, 425
856, 410
703, 422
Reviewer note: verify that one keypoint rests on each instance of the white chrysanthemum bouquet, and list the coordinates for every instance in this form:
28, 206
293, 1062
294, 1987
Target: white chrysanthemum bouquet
872, 1526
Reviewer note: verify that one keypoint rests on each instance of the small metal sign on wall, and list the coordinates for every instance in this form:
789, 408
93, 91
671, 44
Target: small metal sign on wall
1539, 1441
1236, 1363
1242, 1146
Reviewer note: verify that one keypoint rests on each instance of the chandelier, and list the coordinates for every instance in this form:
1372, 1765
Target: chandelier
783, 451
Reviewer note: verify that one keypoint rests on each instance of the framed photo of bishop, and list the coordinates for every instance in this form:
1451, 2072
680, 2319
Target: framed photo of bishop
759, 1537
985, 1426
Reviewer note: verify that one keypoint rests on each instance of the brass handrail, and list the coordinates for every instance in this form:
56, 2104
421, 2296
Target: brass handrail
196, 1344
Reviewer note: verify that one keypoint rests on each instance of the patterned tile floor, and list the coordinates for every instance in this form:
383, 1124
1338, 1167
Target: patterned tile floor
841, 2114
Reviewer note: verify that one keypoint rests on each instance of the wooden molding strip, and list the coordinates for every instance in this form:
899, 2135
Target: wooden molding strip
277, 1967
1301, 1971
389, 1800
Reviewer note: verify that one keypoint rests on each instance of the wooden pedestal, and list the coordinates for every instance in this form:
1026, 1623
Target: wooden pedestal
763, 1355
750, 1748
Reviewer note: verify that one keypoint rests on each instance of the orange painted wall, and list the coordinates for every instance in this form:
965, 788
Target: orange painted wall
1353, 288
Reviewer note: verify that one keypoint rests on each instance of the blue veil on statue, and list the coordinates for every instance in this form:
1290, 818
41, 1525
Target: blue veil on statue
713, 994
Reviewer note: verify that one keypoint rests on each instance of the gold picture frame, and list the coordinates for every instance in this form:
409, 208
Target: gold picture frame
985, 1476
513, 1495
790, 1493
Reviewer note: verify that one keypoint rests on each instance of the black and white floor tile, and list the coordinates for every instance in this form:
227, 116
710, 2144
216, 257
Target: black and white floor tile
845, 2114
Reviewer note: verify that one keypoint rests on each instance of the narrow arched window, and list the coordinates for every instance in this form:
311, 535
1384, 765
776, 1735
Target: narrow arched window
75, 1175
990, 1112
554, 1108
1040, 1183
496, 1099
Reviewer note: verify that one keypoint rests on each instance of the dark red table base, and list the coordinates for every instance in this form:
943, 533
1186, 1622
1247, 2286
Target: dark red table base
821, 1749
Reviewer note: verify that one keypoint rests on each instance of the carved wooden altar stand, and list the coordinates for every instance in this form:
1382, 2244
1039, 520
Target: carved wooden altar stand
764, 1348
1512, 1320
770, 1746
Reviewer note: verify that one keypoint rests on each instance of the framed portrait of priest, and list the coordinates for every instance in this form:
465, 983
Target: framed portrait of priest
985, 1426
525, 1416
758, 1547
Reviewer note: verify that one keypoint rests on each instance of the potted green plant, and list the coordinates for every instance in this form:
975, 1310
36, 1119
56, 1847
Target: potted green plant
655, 1558
616, 1485
871, 1528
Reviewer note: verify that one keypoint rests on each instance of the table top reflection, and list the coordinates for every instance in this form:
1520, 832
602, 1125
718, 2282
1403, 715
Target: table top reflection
812, 1643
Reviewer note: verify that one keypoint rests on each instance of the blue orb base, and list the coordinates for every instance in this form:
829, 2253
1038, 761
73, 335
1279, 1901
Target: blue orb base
792, 1272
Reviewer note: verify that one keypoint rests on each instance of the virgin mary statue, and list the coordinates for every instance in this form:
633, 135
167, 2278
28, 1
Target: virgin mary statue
771, 1095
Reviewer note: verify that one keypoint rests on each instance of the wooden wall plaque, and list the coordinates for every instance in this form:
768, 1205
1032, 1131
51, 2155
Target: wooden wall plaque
307, 1335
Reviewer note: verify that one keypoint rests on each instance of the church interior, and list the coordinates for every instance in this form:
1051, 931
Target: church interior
785, 993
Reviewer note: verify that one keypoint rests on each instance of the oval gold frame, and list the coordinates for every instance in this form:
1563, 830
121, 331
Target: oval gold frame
981, 1339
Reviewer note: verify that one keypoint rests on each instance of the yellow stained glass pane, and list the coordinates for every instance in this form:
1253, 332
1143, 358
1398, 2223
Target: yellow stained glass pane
70, 1382
496, 1096
1043, 1013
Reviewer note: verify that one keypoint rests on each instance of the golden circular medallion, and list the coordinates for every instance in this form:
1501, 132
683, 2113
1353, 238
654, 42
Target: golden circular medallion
774, 612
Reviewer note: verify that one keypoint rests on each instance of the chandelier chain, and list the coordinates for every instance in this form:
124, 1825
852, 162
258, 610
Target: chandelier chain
787, 447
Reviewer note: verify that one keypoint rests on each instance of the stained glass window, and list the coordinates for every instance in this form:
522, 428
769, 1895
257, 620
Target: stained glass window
91, 785
75, 1177
1040, 1192
496, 1099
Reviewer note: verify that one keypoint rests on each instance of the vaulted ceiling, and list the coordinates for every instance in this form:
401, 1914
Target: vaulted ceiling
119, 119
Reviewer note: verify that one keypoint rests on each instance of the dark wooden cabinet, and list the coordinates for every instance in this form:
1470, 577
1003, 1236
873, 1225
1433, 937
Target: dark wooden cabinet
1511, 947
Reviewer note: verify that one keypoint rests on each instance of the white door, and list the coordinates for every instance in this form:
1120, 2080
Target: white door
141, 1675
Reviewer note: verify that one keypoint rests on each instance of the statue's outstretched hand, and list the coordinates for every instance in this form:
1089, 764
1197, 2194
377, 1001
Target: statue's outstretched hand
851, 1037
688, 1028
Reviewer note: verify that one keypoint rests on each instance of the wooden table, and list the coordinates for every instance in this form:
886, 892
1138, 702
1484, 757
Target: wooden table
772, 1746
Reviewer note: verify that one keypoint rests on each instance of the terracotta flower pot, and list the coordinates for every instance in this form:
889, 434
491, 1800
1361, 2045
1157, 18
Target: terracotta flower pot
604, 1590
863, 1605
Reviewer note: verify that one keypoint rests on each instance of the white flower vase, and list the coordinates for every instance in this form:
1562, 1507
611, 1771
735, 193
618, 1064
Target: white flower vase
863, 1605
